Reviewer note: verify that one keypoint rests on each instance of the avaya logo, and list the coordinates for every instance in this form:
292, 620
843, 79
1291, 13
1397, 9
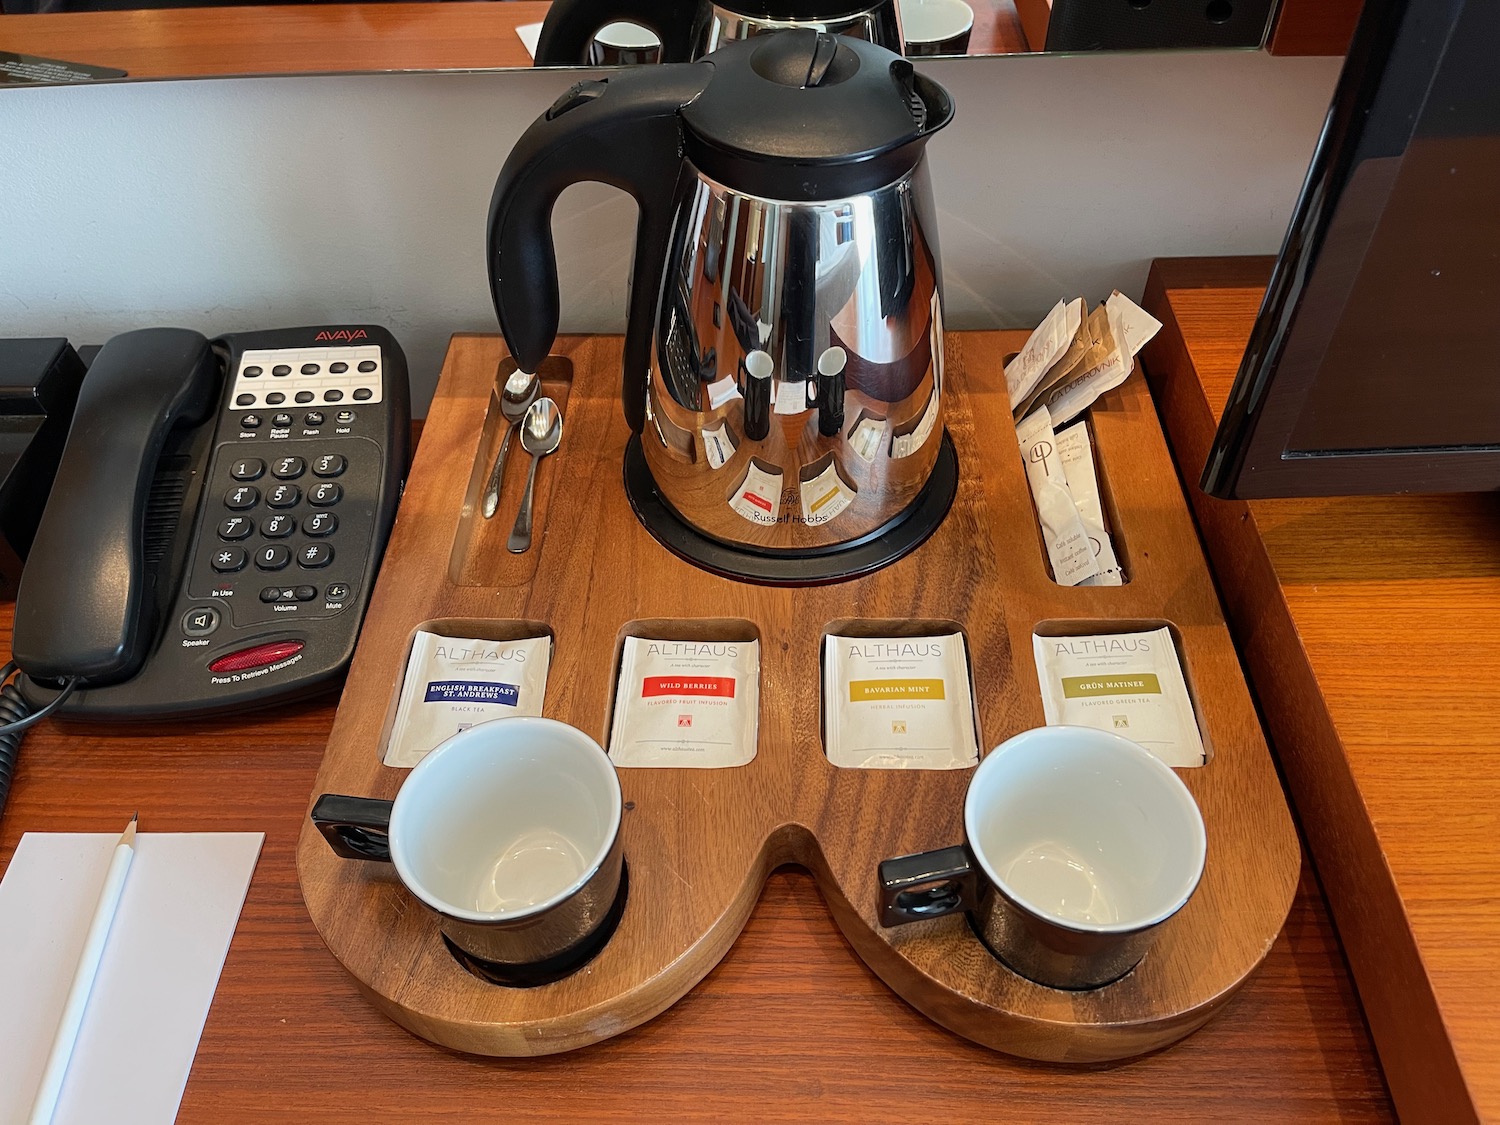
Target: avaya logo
350, 334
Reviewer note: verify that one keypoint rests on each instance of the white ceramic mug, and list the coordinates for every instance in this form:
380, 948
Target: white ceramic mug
1079, 845
624, 44
936, 27
510, 832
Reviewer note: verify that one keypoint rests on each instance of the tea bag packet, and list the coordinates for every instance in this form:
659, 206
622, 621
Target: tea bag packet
1076, 452
454, 683
758, 499
1105, 366
866, 438
692, 704
825, 496
898, 703
1042, 349
904, 445
1068, 547
1062, 368
1137, 325
717, 445
1126, 683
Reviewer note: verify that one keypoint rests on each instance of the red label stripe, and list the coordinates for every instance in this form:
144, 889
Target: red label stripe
758, 501
721, 686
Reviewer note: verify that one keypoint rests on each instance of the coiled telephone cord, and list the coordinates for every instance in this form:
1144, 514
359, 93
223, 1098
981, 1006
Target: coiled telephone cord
15, 716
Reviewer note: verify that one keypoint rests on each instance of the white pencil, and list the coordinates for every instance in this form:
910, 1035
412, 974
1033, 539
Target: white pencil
83, 979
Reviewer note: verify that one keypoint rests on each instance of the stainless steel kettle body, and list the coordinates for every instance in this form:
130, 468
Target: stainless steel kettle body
690, 29
794, 399
784, 345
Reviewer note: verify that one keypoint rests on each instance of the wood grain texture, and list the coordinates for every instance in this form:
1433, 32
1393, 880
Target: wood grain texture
789, 1026
333, 38
1315, 27
1367, 625
700, 843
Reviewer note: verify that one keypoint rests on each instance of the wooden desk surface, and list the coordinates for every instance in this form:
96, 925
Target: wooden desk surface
1368, 626
321, 38
789, 1025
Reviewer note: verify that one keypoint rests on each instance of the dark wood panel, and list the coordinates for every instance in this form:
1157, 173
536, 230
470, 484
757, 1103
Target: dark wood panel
1315, 27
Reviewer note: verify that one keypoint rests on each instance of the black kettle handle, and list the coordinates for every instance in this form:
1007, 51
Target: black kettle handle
571, 24
623, 131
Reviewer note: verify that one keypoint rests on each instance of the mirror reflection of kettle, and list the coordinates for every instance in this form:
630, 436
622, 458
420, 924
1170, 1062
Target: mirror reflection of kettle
690, 29
783, 351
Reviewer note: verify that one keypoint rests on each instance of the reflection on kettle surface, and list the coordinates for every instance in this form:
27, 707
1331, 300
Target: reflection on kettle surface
796, 363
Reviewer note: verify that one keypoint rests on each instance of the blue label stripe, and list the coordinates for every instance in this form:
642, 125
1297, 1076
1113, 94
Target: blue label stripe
472, 691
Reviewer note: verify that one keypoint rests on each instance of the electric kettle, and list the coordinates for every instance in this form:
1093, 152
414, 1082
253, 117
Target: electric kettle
783, 354
690, 29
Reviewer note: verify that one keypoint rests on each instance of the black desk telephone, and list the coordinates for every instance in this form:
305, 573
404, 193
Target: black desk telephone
216, 522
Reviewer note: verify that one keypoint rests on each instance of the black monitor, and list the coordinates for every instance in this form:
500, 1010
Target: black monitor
1374, 365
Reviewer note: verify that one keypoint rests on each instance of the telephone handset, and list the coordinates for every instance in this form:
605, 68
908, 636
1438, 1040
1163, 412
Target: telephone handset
216, 522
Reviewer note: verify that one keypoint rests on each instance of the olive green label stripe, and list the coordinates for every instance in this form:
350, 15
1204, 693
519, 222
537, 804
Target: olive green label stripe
1084, 687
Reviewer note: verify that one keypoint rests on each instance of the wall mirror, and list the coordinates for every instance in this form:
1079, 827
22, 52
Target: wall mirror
53, 41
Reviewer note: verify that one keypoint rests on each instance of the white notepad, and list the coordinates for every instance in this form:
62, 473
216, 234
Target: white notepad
161, 965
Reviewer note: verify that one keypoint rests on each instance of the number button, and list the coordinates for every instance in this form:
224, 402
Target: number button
288, 468
249, 469
227, 560
242, 498
273, 556
284, 496
329, 465
277, 526
315, 555
326, 495
320, 524
235, 528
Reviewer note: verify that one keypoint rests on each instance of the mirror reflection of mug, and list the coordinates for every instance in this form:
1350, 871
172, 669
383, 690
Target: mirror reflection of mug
936, 27
1079, 844
510, 833
624, 44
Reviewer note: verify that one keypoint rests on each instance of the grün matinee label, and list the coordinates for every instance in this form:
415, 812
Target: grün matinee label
1085, 687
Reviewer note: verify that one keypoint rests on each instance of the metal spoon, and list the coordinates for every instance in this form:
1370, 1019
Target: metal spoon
516, 397
541, 433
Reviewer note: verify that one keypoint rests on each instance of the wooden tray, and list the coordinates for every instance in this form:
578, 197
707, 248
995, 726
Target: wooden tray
700, 843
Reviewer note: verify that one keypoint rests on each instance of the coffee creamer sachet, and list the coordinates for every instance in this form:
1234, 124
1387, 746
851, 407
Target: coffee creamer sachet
898, 703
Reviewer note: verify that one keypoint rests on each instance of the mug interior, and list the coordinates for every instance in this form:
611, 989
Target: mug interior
1085, 829
505, 819
627, 36
930, 21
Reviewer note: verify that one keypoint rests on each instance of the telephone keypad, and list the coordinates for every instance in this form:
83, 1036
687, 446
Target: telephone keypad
242, 499
320, 524
288, 468
277, 526
227, 560
235, 528
329, 465
315, 555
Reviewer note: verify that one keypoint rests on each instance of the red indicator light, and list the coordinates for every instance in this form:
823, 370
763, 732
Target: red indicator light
257, 657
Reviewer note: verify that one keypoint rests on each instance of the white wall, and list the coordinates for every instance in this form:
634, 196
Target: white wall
240, 203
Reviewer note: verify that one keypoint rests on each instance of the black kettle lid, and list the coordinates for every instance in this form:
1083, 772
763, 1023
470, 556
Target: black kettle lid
803, 115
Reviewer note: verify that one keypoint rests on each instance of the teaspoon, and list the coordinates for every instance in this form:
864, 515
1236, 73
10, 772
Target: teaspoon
541, 433
516, 397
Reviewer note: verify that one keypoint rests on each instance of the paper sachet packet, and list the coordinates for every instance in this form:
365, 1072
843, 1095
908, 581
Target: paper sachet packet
898, 703
1068, 547
1137, 324
1105, 366
1127, 683
1076, 452
692, 704
1042, 349
454, 683
1062, 368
